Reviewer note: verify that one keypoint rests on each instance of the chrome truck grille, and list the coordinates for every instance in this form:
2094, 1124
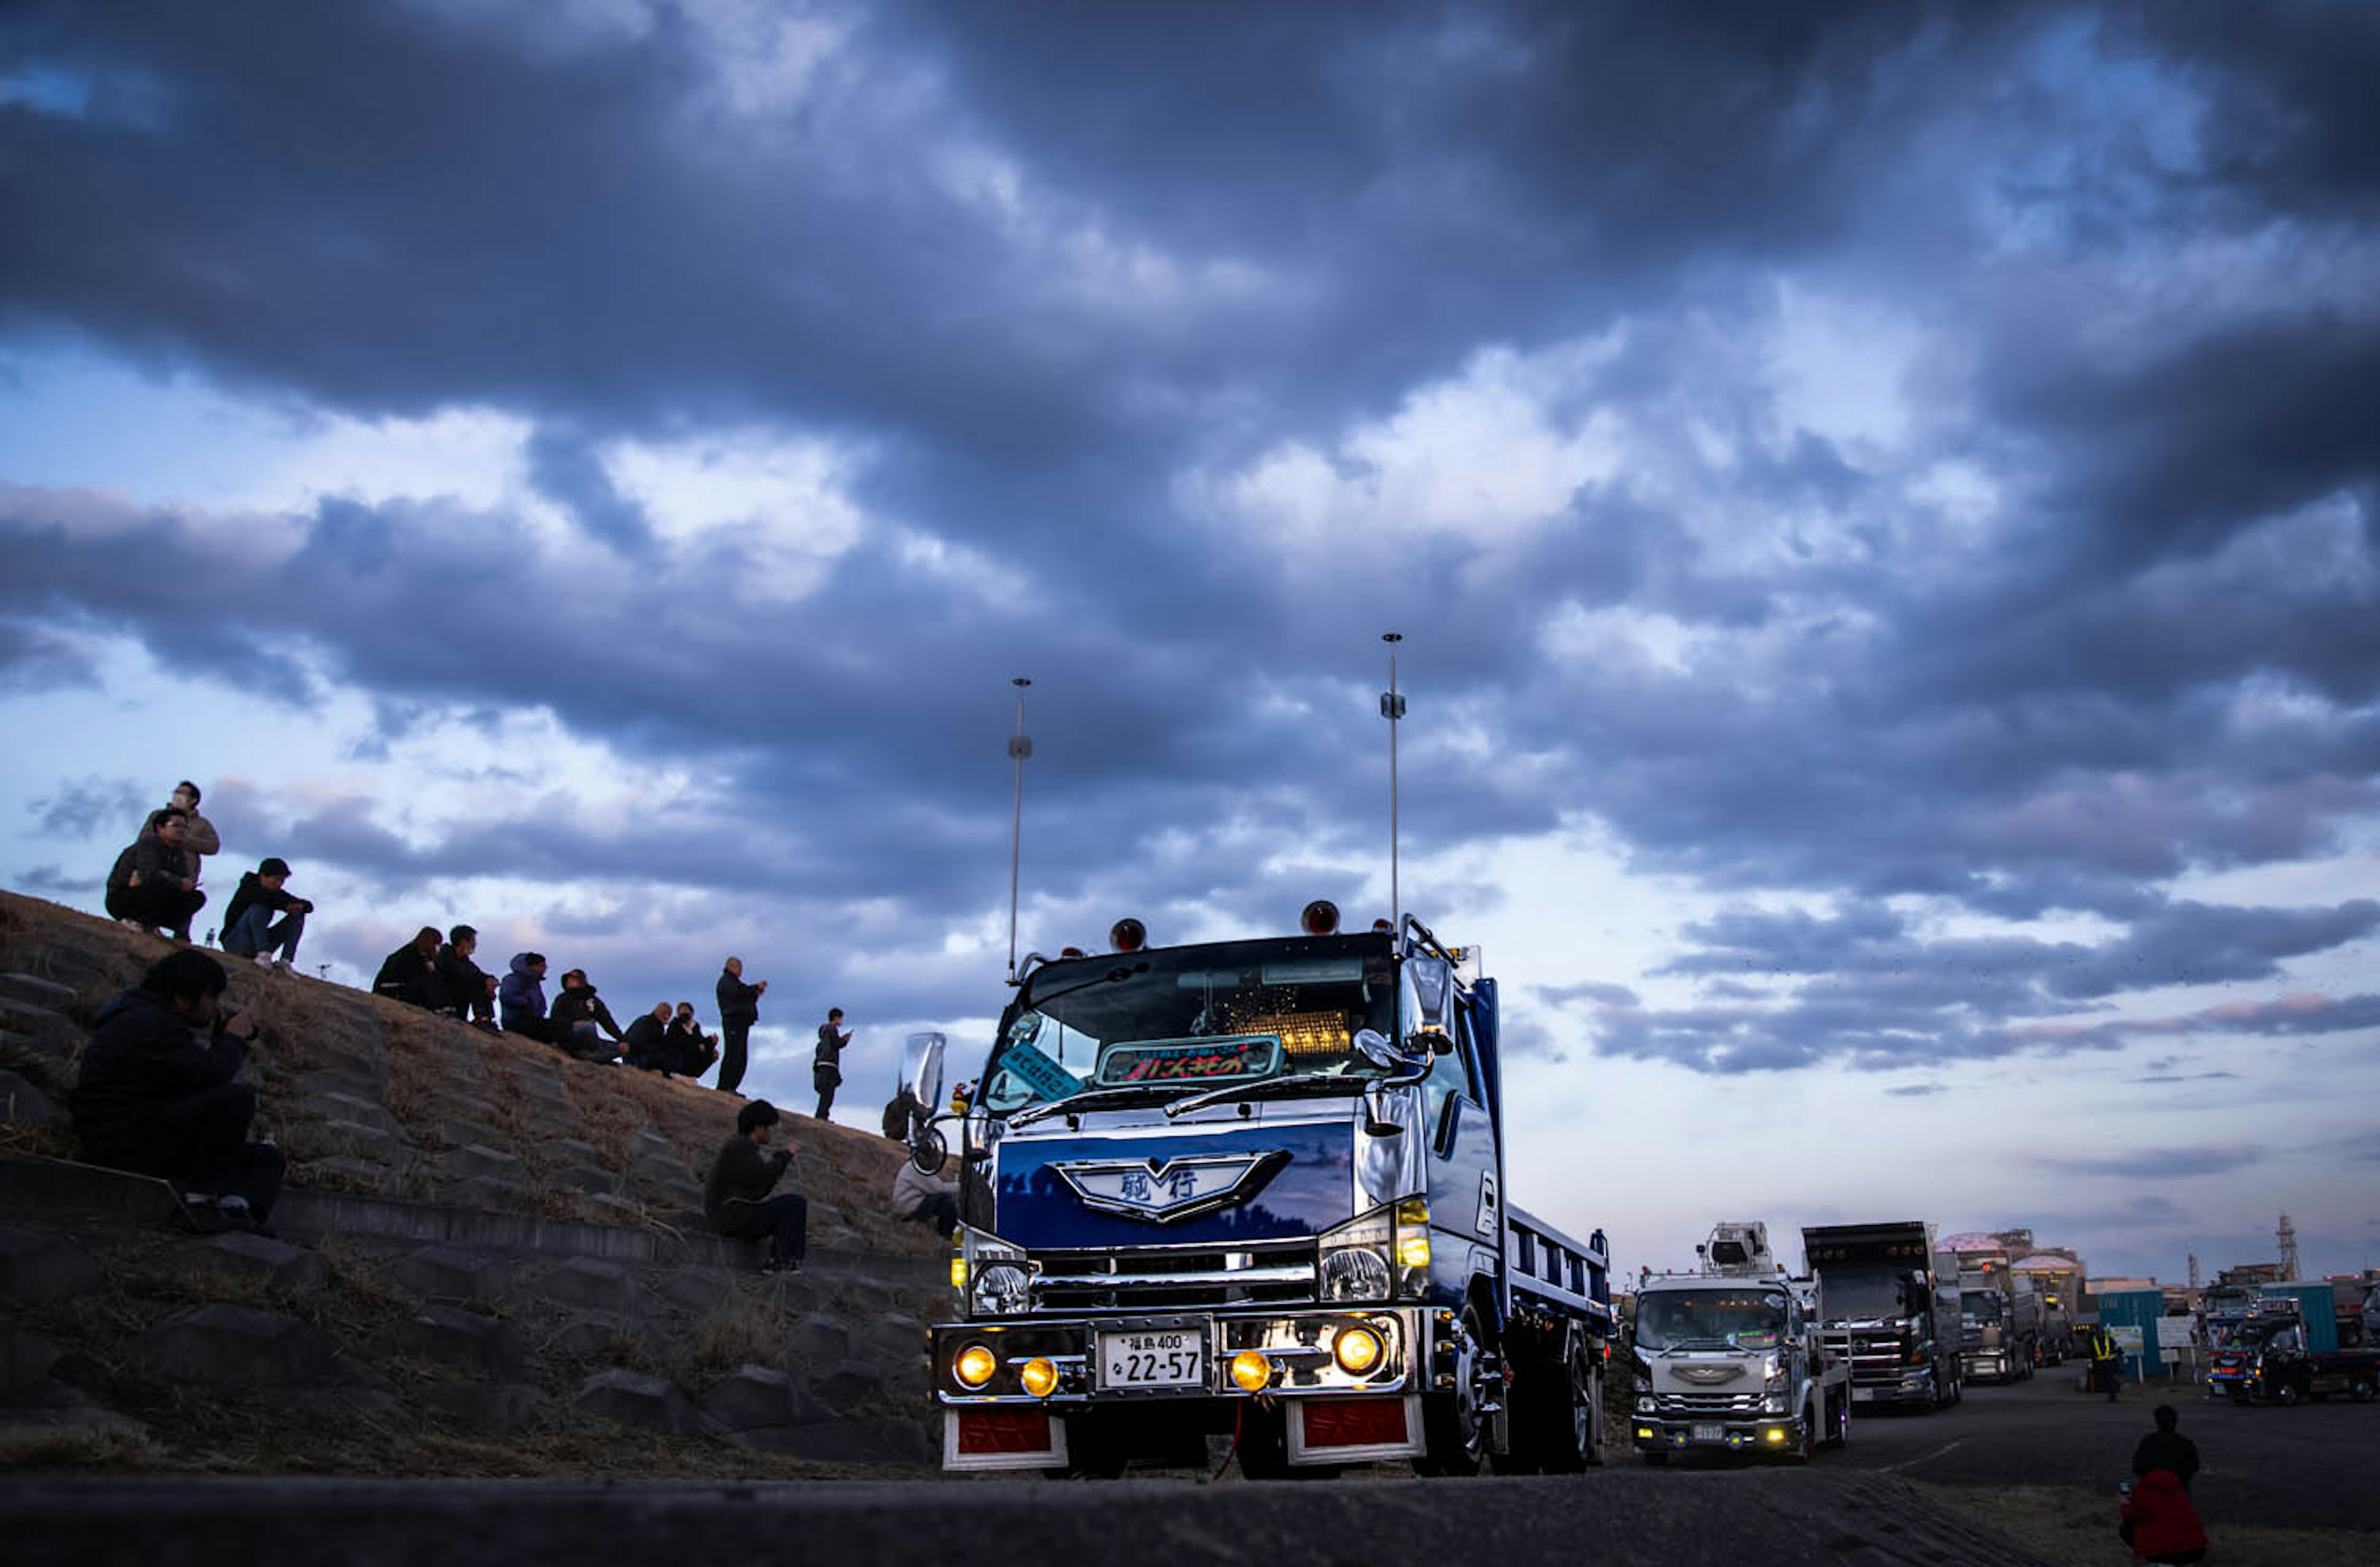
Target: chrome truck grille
1874, 1364
1673, 1402
1170, 1278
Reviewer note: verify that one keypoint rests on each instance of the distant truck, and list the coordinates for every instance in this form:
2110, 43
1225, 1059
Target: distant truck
2276, 1355
1999, 1320
1887, 1311
1730, 1358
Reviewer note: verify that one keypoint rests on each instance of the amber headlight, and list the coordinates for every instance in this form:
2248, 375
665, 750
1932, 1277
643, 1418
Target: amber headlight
974, 1366
1251, 1373
1038, 1376
1357, 1350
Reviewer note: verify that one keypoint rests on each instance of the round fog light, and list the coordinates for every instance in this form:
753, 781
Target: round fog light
974, 1366
1251, 1373
1357, 1350
1039, 1376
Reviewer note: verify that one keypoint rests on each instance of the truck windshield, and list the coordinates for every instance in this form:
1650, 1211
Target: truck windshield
1185, 1019
1856, 1294
1740, 1318
1983, 1306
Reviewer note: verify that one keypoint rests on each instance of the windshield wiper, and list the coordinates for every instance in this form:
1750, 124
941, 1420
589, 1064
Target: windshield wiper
1257, 1089
1091, 1099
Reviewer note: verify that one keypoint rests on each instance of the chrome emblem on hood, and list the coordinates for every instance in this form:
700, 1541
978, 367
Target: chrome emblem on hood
1706, 1376
1167, 1192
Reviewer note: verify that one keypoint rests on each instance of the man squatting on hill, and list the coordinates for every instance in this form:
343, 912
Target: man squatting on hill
156, 1094
737, 1196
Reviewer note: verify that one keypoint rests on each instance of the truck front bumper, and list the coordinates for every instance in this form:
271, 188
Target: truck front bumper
1913, 1388
1721, 1433
1041, 1375
1982, 1365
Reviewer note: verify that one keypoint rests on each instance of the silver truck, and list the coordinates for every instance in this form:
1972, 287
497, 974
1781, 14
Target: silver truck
1999, 1322
1730, 1359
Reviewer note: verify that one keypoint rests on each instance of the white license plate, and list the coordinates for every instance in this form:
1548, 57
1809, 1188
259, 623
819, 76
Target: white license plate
1710, 1434
1165, 1357
1863, 1395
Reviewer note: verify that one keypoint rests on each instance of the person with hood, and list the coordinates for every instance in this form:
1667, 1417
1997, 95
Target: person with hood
520, 997
249, 929
578, 1012
155, 1092
408, 974
468, 992
152, 885
2158, 1522
691, 1051
739, 1008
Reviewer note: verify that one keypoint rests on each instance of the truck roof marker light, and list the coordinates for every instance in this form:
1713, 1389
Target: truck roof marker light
1251, 1373
1127, 935
1066, 952
1319, 917
974, 1366
1038, 1376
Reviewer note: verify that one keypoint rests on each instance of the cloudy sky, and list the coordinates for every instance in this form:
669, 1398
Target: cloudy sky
1880, 500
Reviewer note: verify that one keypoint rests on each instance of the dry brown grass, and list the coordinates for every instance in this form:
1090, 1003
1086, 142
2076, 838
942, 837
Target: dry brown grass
29, 1448
738, 1330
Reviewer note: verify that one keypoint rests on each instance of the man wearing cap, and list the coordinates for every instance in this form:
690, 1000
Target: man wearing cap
249, 928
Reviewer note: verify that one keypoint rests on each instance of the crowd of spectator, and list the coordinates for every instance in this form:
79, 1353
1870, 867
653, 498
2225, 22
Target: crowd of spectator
157, 1093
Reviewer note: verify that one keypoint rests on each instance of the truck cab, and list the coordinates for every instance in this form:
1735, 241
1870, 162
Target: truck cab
1257, 1189
1888, 1311
1999, 1325
1730, 1359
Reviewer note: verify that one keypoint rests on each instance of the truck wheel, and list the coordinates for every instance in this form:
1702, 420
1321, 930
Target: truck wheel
2362, 1391
1807, 1448
1839, 1422
1455, 1431
1568, 1430
2288, 1393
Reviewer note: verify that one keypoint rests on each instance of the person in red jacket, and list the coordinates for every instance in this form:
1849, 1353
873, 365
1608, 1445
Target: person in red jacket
2158, 1522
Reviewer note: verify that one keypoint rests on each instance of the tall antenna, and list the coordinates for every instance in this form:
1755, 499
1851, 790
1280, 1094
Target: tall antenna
2287, 1235
1020, 746
1393, 707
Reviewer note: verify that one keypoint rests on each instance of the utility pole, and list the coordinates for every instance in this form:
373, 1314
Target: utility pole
1020, 746
1392, 708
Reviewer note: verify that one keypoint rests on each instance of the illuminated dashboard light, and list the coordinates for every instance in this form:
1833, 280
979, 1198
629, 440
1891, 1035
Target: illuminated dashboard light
1357, 1350
1320, 918
1251, 1373
1039, 1376
974, 1366
1127, 935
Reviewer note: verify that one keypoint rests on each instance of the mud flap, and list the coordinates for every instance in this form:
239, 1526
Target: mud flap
1003, 1437
1354, 1430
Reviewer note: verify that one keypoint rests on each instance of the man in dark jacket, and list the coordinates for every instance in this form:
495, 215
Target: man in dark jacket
155, 1092
578, 1012
408, 974
153, 884
736, 1197
739, 1008
249, 929
466, 990
2167, 1447
520, 997
645, 1042
826, 1065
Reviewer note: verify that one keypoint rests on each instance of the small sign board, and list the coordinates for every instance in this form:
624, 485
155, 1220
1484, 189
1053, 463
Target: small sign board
2176, 1332
2129, 1337
1037, 1072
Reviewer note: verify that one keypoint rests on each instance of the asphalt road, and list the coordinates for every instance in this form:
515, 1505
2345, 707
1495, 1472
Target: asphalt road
2315, 1466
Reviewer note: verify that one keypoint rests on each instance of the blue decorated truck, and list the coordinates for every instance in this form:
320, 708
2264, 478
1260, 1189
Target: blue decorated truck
1253, 1192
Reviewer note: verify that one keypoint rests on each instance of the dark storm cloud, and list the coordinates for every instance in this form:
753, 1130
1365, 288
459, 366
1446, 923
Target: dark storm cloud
88, 805
2158, 1164
1033, 266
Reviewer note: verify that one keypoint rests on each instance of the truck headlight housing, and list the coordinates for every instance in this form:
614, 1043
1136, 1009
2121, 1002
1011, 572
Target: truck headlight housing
997, 1277
1382, 1255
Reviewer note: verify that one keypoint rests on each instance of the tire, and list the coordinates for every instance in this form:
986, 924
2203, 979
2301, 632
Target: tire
2362, 1392
1838, 1423
1808, 1447
1454, 1434
1264, 1449
1566, 1430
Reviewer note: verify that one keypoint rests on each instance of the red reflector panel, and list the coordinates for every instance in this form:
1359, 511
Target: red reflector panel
1004, 1430
1354, 1422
